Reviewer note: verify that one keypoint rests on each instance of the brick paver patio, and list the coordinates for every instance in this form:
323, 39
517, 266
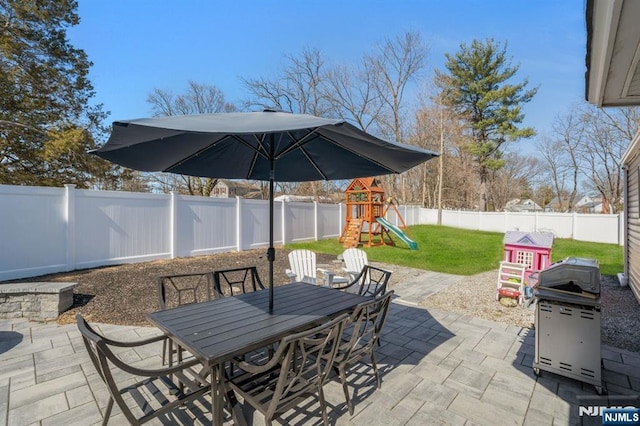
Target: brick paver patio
438, 367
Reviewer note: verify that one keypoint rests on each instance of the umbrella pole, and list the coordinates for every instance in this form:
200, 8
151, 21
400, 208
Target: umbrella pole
271, 252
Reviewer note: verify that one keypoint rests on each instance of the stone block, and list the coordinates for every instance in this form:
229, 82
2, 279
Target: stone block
39, 301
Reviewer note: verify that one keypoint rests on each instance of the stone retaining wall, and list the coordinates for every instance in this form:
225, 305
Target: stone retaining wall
39, 301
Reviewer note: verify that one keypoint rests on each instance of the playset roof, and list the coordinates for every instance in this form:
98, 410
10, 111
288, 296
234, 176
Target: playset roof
533, 239
366, 183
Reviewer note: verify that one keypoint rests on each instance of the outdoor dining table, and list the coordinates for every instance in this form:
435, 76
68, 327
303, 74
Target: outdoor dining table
218, 330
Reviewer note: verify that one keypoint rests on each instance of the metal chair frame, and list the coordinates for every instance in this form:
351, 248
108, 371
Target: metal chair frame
188, 288
245, 280
156, 394
365, 327
299, 367
372, 281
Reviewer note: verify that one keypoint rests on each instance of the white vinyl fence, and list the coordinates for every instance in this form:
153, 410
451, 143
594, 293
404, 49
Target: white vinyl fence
46, 230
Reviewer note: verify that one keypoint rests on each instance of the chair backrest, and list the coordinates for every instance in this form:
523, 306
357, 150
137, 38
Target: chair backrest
354, 259
372, 281
238, 280
102, 358
368, 320
303, 264
306, 361
148, 397
181, 289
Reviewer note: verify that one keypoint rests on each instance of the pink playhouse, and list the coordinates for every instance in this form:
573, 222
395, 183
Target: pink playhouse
532, 249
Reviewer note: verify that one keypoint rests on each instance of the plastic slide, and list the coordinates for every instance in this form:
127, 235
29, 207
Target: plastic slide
398, 232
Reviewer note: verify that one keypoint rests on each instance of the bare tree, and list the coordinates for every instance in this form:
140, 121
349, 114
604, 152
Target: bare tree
197, 99
556, 170
569, 136
395, 64
353, 96
607, 136
510, 181
298, 88
449, 182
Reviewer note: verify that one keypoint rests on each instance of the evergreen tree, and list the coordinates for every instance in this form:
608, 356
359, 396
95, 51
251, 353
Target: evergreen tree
477, 86
47, 124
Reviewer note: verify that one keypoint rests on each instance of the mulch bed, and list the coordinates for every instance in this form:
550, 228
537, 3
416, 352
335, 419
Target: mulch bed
124, 294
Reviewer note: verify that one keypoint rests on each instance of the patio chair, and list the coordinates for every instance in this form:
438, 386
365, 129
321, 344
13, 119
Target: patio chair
371, 281
354, 260
298, 369
365, 328
228, 282
181, 289
303, 268
151, 393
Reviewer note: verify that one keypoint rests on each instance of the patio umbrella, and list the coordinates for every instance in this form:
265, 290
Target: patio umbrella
270, 146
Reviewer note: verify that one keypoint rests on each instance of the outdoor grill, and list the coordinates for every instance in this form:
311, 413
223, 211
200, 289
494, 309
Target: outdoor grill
567, 321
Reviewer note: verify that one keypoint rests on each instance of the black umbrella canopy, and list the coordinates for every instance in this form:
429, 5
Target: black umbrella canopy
268, 145
241, 146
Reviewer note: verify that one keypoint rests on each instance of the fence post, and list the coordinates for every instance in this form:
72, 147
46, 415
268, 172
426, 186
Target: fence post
283, 222
574, 225
315, 220
173, 223
238, 223
535, 221
621, 228
70, 219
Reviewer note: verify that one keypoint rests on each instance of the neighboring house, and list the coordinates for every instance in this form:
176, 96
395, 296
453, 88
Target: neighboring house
613, 79
588, 204
230, 189
302, 198
518, 205
556, 204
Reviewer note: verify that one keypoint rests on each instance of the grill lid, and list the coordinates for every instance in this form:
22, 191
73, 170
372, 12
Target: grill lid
573, 275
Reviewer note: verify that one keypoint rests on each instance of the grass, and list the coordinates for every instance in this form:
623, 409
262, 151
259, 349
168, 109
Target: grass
466, 252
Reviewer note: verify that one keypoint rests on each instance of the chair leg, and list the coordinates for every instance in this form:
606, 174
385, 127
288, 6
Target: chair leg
345, 389
323, 406
375, 369
107, 412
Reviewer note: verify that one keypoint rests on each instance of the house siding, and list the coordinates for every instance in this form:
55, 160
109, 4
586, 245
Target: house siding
632, 216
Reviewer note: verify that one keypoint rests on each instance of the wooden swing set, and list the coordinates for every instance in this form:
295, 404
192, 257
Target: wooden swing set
365, 204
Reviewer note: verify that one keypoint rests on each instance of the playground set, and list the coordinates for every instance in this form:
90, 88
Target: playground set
365, 217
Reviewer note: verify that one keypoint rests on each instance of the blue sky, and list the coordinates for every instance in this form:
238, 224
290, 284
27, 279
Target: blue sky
140, 45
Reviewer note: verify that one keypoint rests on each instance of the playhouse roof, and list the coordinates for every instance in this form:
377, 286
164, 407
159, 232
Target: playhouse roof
534, 239
366, 183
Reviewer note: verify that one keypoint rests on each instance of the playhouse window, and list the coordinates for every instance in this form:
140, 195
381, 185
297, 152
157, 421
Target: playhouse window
525, 258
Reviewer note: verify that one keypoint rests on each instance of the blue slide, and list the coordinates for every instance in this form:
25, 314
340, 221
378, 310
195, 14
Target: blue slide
391, 227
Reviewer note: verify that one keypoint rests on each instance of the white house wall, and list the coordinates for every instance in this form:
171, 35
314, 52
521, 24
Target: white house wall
631, 161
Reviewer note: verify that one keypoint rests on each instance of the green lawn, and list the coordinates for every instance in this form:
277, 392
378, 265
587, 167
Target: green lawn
467, 252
